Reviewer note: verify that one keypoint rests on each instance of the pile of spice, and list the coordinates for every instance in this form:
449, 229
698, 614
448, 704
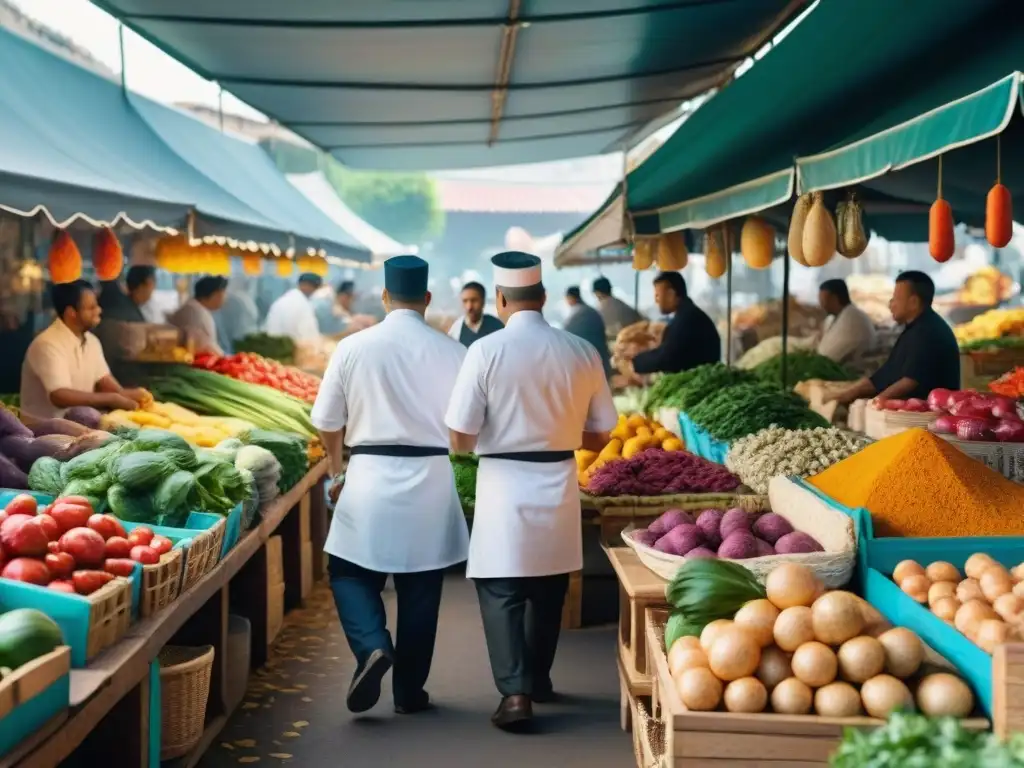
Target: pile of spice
915, 484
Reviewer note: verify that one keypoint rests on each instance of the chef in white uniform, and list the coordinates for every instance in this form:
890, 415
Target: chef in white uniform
384, 394
293, 314
527, 396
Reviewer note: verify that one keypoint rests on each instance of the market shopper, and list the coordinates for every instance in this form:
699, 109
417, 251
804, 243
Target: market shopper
384, 394
616, 313
335, 314
690, 339
475, 323
239, 317
526, 398
64, 366
195, 316
293, 314
586, 322
851, 332
125, 304
926, 355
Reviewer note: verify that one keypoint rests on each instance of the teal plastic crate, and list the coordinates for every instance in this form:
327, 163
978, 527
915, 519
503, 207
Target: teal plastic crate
29, 716
232, 530
7, 494
699, 442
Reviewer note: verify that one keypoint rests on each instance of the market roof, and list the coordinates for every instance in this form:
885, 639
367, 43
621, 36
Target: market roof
471, 196
443, 84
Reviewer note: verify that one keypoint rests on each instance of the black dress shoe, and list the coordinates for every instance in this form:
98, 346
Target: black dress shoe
419, 703
364, 692
514, 713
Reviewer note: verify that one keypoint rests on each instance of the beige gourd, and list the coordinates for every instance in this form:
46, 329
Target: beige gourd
757, 243
716, 249
643, 254
672, 253
796, 229
853, 241
819, 236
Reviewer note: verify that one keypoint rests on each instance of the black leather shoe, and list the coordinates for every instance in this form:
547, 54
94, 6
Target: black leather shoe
364, 692
419, 703
514, 713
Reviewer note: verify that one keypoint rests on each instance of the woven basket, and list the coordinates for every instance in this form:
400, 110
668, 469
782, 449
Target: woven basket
110, 614
1005, 458
161, 583
648, 737
652, 506
184, 691
879, 424
807, 513
203, 554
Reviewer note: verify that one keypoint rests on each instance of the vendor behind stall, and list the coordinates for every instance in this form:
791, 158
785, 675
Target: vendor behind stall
195, 316
616, 313
475, 323
335, 315
690, 339
926, 355
586, 322
851, 332
239, 317
126, 305
65, 367
293, 315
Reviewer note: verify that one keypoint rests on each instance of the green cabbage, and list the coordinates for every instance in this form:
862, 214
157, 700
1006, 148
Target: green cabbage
132, 508
173, 493
141, 471
160, 440
45, 476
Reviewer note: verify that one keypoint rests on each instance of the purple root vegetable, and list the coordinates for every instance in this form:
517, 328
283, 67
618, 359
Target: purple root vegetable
669, 520
647, 537
797, 543
734, 519
680, 540
701, 552
771, 527
709, 522
763, 548
738, 545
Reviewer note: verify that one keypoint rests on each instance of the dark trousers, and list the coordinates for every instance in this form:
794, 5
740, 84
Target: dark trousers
357, 594
522, 619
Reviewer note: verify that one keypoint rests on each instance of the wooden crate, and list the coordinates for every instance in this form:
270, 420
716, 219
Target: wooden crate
639, 590
977, 369
161, 583
31, 679
1008, 689
203, 554
572, 609
110, 614
306, 582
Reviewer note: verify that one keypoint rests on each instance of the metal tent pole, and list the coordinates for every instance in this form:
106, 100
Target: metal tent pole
728, 310
785, 315
124, 70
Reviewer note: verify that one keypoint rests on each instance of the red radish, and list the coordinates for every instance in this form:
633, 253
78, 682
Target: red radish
1004, 408
28, 570
61, 564
118, 546
141, 535
52, 528
69, 515
23, 504
916, 405
106, 526
894, 405
85, 545
161, 544
62, 586
119, 566
973, 428
959, 396
938, 399
1009, 431
145, 555
945, 424
79, 500
23, 536
87, 582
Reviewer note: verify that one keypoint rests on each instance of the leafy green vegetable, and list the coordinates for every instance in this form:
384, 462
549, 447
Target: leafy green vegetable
174, 492
131, 507
705, 589
160, 440
142, 470
464, 467
801, 366
289, 450
743, 409
45, 476
677, 626
94, 487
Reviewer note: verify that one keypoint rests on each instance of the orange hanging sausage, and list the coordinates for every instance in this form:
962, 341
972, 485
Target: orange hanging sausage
999, 216
941, 240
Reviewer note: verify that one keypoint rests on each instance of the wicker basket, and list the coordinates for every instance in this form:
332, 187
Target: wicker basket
1005, 458
879, 423
161, 583
110, 614
202, 554
651, 506
807, 513
648, 737
184, 691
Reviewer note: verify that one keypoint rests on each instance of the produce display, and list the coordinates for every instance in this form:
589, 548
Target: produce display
632, 340
775, 451
688, 388
251, 368
464, 467
985, 603
733, 534
971, 415
994, 324
993, 345
801, 366
731, 412
25, 635
67, 547
790, 647
203, 431
772, 347
1010, 384
765, 319
659, 473
287, 449
20, 447
630, 400
279, 348
916, 484
632, 435
214, 395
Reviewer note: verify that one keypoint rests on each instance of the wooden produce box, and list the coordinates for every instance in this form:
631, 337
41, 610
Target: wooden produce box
161, 583
978, 369
307, 568
33, 695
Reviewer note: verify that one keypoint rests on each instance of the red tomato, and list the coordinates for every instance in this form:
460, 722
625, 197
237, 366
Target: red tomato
62, 586
161, 544
53, 546
80, 500
87, 582
145, 555
22, 504
69, 514
85, 545
61, 564
27, 569
119, 566
118, 546
50, 526
23, 536
141, 535
106, 526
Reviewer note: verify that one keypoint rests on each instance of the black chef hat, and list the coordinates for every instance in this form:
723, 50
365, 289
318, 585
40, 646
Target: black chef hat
405, 277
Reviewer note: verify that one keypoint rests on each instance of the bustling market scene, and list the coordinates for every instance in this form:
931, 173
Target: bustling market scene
657, 367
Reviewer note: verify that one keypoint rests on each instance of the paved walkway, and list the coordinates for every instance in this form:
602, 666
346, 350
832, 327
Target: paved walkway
295, 710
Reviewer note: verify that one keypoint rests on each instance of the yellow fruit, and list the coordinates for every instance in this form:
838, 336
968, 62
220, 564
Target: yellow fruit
584, 459
672, 444
633, 446
644, 433
636, 421
611, 451
661, 434
622, 432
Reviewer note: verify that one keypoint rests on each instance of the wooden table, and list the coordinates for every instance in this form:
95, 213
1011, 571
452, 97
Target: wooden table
639, 590
110, 697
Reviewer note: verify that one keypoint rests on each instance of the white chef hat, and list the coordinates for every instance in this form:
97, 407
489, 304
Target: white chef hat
515, 269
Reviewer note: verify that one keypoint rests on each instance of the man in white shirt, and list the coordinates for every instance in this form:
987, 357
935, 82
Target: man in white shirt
64, 366
851, 332
384, 394
195, 316
293, 315
475, 323
526, 398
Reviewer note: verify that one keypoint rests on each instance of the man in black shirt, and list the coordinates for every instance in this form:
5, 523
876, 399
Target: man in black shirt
926, 355
475, 324
690, 339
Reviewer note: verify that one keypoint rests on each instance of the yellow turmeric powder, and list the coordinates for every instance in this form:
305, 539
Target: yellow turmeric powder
916, 484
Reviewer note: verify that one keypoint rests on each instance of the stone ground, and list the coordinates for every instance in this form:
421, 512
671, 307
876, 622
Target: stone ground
294, 711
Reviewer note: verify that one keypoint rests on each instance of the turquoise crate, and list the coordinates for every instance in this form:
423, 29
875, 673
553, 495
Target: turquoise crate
699, 442
7, 494
232, 531
861, 527
28, 717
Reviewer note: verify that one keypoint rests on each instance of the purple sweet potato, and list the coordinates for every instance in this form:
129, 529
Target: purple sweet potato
669, 520
680, 540
763, 548
771, 527
709, 522
797, 543
738, 545
701, 552
647, 537
734, 519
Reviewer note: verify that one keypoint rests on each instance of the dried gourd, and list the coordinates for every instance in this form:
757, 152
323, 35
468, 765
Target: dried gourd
840, 225
64, 259
107, 256
757, 243
716, 246
819, 236
796, 228
672, 254
999, 216
941, 238
643, 256
853, 240
252, 264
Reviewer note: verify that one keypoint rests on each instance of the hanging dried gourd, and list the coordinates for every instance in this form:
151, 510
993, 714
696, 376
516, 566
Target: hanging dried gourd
757, 243
643, 254
852, 241
999, 208
819, 235
796, 228
107, 256
672, 253
716, 251
252, 264
285, 267
941, 238
65, 261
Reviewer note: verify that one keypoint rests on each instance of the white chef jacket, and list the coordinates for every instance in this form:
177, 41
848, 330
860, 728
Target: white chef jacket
850, 334
390, 385
528, 387
293, 315
198, 321
58, 359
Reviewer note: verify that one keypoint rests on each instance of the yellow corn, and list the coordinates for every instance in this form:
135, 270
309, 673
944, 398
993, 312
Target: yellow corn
114, 419
174, 413
147, 419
